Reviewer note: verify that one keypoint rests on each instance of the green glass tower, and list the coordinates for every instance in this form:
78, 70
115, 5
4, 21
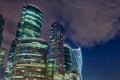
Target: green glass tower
27, 59
30, 24
30, 59
67, 55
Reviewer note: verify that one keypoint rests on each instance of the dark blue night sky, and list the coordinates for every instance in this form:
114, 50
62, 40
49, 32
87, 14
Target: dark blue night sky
102, 61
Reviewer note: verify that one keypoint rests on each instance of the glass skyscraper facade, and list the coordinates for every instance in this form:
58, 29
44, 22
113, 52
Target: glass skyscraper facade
10, 62
30, 60
73, 63
50, 69
76, 57
57, 50
27, 59
30, 24
67, 56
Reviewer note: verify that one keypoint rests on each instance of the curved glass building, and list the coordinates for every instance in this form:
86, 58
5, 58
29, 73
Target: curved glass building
73, 63
30, 24
76, 57
30, 60
27, 59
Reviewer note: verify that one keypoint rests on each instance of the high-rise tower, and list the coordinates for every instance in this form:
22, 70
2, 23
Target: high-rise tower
30, 24
73, 63
30, 60
67, 56
27, 60
76, 57
57, 50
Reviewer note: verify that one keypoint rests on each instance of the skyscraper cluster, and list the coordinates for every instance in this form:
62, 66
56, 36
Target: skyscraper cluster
33, 58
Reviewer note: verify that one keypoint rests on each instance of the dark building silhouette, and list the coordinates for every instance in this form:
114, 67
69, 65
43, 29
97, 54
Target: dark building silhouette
57, 50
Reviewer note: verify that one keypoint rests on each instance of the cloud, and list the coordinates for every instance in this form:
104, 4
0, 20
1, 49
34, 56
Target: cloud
88, 22
91, 22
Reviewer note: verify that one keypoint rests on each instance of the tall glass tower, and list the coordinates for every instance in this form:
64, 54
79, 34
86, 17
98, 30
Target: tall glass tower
57, 50
27, 60
67, 56
73, 63
76, 57
30, 24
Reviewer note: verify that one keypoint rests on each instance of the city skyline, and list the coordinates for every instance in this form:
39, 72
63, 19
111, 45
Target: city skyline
33, 58
96, 25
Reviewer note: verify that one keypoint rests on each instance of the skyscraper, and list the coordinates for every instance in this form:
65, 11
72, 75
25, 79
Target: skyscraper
57, 50
27, 60
30, 60
73, 63
30, 24
76, 57
67, 56
2, 50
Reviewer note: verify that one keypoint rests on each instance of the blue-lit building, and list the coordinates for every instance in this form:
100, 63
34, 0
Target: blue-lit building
76, 57
27, 58
73, 63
